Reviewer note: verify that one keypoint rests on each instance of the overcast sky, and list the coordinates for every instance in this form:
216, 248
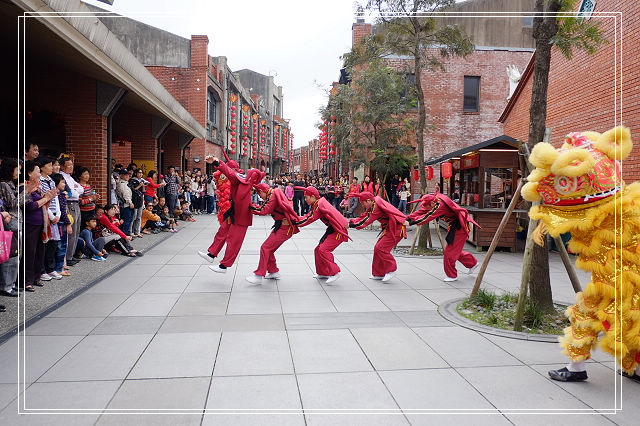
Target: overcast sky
297, 41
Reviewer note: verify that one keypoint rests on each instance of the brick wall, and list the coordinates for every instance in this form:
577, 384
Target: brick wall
134, 126
72, 97
189, 87
121, 152
172, 154
583, 91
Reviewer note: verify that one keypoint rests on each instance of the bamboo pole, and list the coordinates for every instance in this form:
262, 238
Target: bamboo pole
496, 238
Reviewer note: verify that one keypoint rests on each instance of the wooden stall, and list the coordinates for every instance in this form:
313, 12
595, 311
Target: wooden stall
484, 177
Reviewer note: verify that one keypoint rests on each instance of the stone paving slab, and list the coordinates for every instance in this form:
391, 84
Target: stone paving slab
165, 332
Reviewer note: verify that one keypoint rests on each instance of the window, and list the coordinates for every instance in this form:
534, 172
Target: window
212, 108
276, 107
527, 21
471, 101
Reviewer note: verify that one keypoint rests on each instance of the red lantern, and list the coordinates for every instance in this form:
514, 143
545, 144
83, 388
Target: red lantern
416, 174
428, 171
447, 170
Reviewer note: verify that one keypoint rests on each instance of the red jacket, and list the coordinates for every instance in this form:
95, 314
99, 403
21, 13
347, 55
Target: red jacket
367, 187
443, 207
112, 225
241, 189
389, 217
278, 206
323, 210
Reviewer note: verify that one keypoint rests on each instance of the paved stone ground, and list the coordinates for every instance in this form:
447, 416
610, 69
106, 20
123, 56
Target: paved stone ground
165, 335
54, 291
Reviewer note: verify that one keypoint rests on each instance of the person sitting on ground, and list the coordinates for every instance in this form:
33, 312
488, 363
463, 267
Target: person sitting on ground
92, 247
149, 221
167, 221
186, 213
111, 226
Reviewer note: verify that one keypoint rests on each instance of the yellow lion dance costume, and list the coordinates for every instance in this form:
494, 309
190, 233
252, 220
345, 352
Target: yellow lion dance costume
581, 192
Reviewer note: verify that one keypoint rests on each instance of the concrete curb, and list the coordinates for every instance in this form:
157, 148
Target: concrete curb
448, 311
57, 304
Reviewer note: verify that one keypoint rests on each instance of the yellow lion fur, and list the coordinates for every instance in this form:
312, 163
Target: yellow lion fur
606, 236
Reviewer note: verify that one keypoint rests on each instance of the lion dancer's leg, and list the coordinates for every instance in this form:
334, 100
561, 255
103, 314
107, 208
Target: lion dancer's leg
628, 335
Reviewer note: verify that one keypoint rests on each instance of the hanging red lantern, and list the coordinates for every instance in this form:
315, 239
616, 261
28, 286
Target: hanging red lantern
416, 174
447, 170
428, 171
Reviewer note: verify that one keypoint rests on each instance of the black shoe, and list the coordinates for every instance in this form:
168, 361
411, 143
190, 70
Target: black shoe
11, 293
635, 377
72, 262
564, 375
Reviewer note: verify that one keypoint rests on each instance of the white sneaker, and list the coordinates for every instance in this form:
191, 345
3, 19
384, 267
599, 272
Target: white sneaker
320, 277
205, 256
373, 277
218, 269
332, 278
254, 279
273, 276
388, 276
55, 275
473, 268
450, 279
46, 277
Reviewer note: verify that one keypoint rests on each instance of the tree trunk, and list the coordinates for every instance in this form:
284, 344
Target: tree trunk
544, 29
423, 238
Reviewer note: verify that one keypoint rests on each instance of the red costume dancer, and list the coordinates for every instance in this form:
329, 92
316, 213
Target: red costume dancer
241, 217
441, 206
223, 191
393, 230
279, 207
335, 235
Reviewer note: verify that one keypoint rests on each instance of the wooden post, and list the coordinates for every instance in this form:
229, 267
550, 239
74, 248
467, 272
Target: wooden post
413, 243
575, 282
496, 238
524, 280
435, 223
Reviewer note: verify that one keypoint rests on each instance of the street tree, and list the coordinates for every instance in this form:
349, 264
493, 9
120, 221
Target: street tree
411, 27
552, 26
373, 123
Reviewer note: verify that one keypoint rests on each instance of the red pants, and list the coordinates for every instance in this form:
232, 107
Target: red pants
235, 237
219, 239
268, 248
325, 265
383, 261
453, 252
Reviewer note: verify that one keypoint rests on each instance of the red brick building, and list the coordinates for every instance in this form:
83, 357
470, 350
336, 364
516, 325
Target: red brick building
590, 92
465, 100
82, 89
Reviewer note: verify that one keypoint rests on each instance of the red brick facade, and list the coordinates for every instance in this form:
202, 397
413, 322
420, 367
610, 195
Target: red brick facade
189, 87
583, 91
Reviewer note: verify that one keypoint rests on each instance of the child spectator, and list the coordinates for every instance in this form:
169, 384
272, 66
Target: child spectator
64, 226
149, 220
186, 213
403, 195
111, 226
167, 221
91, 247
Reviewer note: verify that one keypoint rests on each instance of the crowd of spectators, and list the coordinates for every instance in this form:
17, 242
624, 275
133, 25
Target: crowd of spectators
337, 190
65, 220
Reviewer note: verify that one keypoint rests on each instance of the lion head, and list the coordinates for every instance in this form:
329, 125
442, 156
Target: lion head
585, 169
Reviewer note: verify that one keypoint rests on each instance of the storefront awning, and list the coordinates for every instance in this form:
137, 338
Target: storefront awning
500, 142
